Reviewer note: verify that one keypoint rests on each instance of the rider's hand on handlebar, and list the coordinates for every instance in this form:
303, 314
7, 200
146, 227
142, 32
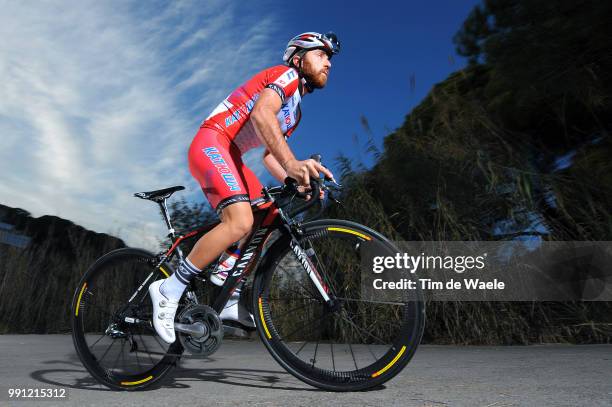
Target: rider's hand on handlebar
301, 171
301, 189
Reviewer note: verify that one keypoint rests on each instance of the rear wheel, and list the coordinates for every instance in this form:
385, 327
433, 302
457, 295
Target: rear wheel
357, 343
111, 328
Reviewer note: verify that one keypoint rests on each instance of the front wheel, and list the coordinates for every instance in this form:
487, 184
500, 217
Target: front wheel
356, 343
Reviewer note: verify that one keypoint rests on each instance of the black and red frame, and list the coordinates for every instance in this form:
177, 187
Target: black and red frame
267, 217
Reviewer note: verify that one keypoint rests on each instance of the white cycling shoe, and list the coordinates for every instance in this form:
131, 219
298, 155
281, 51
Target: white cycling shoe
235, 311
164, 312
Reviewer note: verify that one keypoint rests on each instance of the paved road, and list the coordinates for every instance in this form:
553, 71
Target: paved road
242, 373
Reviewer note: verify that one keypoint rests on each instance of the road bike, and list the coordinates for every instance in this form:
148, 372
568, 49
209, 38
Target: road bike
303, 279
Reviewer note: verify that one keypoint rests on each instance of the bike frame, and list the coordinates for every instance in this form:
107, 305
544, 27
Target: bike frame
268, 217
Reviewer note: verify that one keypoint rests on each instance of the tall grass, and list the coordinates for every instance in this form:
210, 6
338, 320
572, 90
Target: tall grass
38, 282
451, 172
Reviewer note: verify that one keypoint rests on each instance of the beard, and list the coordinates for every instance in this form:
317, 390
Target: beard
317, 79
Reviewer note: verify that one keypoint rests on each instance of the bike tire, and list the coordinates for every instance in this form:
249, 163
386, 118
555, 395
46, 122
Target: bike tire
82, 304
401, 348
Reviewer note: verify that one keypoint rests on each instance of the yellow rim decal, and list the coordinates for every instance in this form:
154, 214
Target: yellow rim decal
165, 272
76, 313
262, 320
361, 235
146, 379
384, 369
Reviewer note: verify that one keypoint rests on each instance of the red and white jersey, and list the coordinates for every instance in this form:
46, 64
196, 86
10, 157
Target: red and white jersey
232, 116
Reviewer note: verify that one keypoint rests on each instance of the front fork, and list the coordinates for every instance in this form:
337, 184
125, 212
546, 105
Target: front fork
294, 229
311, 270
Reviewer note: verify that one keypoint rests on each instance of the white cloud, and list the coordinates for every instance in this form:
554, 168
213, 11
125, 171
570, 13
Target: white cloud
100, 100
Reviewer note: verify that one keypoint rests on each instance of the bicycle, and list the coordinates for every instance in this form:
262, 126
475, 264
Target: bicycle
305, 299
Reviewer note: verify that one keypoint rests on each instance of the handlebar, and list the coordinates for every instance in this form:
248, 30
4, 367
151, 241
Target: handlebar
290, 190
291, 187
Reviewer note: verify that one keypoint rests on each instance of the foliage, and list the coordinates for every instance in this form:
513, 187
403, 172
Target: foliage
38, 282
516, 144
186, 217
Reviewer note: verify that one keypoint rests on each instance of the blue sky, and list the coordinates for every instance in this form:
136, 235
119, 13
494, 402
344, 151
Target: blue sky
101, 99
382, 47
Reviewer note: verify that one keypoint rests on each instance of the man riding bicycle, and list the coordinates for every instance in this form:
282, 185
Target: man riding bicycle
264, 110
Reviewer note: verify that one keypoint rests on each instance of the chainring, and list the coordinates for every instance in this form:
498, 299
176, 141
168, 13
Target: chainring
211, 341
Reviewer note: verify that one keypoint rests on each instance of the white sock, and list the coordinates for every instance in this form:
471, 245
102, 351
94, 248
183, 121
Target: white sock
173, 286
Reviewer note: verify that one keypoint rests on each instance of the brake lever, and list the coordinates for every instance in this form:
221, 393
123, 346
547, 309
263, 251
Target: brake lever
317, 158
331, 196
333, 181
291, 188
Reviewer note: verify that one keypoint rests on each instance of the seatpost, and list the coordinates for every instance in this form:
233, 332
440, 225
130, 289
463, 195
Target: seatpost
166, 216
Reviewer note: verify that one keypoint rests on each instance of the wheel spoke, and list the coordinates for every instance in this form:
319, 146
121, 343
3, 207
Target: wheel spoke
353, 355
291, 310
363, 339
301, 347
322, 269
107, 349
159, 343
146, 348
122, 352
301, 294
348, 319
308, 325
312, 294
98, 340
116, 359
371, 301
97, 307
291, 299
135, 351
314, 358
371, 352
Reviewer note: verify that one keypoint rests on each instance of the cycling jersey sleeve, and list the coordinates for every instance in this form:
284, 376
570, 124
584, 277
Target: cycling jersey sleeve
284, 81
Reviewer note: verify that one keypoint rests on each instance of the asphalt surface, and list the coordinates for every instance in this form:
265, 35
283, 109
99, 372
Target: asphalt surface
243, 373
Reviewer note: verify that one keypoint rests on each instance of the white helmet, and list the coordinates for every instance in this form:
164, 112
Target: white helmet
312, 40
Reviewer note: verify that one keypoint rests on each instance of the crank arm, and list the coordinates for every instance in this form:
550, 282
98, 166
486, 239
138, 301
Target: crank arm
196, 330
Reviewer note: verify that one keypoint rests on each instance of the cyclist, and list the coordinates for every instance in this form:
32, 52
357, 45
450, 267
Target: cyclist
264, 110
